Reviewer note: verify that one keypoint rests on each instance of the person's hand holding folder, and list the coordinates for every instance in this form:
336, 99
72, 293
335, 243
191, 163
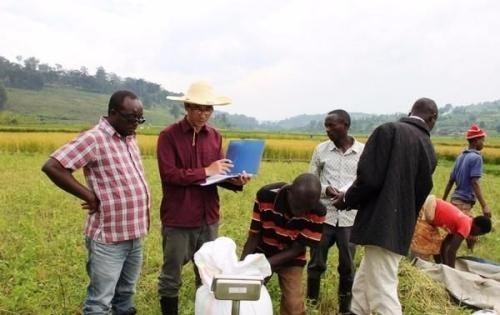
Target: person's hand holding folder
241, 180
242, 162
222, 166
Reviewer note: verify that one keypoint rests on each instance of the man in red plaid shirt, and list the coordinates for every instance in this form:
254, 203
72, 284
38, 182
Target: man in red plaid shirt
117, 199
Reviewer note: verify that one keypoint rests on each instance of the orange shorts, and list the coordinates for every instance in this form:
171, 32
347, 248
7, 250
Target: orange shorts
427, 239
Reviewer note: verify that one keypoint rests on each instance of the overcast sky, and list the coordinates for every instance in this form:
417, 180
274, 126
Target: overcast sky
275, 58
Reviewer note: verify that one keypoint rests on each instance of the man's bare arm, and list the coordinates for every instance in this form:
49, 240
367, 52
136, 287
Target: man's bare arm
65, 180
449, 249
447, 190
479, 195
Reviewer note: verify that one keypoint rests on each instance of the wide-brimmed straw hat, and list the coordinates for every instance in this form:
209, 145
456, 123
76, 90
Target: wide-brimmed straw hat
201, 93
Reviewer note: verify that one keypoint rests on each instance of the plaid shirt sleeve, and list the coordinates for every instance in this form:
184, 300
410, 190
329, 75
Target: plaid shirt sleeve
77, 153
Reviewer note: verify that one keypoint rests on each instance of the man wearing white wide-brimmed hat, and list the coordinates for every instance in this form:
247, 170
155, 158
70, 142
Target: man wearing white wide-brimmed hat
188, 152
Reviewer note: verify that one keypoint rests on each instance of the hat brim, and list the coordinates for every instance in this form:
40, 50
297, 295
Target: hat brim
482, 135
216, 101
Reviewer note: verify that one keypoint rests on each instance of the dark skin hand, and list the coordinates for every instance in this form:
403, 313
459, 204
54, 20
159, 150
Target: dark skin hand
276, 261
338, 201
65, 180
449, 249
241, 180
285, 256
331, 192
337, 197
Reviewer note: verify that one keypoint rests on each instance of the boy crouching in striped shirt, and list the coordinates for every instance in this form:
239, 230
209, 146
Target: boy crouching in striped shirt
286, 219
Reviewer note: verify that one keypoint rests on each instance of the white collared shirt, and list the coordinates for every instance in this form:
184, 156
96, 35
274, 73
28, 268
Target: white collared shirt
417, 118
337, 169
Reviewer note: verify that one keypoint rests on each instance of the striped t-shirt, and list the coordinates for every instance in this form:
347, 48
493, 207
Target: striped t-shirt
279, 228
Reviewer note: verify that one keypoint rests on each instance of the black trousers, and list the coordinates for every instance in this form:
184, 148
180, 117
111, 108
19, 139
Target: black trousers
317, 265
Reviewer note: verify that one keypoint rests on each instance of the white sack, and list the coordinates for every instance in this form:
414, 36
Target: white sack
219, 257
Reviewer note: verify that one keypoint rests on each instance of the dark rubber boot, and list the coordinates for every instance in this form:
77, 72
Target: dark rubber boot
345, 303
169, 305
313, 285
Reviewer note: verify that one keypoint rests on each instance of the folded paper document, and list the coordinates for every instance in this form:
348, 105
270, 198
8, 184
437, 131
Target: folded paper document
245, 155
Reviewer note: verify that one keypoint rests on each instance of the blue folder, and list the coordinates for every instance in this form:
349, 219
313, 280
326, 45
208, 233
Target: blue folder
245, 155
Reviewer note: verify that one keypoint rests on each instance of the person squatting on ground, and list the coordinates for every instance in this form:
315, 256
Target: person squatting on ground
394, 177
188, 152
286, 219
437, 213
117, 199
335, 162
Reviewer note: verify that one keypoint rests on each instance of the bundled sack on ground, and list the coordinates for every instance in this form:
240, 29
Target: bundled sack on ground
219, 257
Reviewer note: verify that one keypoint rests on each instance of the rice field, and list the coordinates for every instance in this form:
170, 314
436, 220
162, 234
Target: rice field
42, 253
279, 148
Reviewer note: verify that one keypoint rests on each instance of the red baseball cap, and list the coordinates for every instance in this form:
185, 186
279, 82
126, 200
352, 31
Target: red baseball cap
475, 132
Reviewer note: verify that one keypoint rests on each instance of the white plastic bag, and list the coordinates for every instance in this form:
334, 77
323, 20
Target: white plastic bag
219, 257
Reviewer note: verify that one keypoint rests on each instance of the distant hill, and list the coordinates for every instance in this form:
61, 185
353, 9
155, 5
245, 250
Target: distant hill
453, 120
35, 93
53, 105
69, 106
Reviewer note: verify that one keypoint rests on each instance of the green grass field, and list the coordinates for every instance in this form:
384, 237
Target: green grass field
42, 253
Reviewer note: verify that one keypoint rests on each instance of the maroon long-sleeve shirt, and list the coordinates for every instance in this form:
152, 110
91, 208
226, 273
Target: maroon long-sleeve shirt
182, 158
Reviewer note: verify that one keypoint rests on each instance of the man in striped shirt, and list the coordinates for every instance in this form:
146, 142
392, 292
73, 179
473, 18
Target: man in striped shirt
117, 199
286, 219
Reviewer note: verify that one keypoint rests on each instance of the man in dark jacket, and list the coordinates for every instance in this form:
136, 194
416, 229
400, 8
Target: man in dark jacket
394, 177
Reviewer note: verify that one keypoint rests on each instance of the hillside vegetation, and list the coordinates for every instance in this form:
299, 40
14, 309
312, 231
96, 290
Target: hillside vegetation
67, 106
33, 93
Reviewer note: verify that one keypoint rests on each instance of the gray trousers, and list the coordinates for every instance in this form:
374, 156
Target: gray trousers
179, 246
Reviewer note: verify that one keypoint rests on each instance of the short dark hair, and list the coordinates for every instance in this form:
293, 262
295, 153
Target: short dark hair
424, 108
483, 223
342, 114
116, 100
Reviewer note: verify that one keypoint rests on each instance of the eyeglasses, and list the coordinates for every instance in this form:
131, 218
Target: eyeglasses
131, 118
201, 109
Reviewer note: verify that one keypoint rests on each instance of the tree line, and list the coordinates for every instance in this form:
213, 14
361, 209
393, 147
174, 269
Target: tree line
30, 73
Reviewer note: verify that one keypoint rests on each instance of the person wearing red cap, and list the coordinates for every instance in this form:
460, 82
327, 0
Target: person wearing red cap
466, 174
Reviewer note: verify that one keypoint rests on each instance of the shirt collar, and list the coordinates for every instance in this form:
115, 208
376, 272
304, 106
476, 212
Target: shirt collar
110, 130
186, 126
417, 117
356, 146
106, 127
472, 151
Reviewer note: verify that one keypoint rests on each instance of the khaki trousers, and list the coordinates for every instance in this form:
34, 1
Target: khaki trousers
375, 288
292, 292
462, 205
